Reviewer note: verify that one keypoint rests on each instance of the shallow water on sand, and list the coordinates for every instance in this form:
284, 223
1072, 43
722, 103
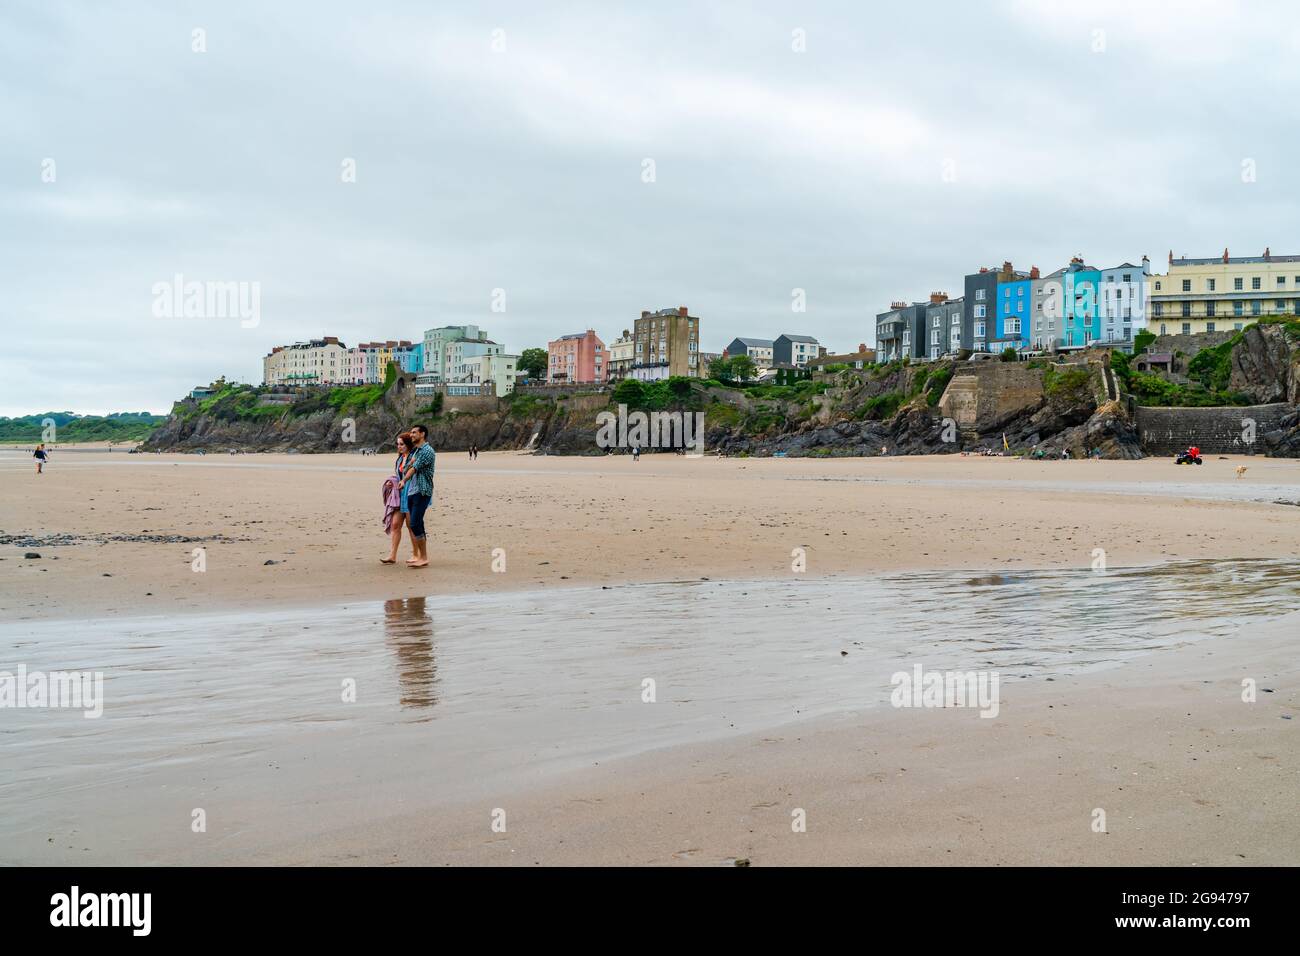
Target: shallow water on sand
243, 714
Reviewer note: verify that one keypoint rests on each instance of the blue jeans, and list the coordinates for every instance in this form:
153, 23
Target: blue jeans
417, 504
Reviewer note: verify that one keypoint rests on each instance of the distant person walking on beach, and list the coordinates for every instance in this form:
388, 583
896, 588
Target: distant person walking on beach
636, 452
473, 452
418, 482
41, 456
396, 506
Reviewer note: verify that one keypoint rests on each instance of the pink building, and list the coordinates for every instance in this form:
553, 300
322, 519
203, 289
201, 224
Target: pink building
578, 358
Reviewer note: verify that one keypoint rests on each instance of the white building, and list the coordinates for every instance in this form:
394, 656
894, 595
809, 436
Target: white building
1123, 301
435, 347
457, 354
495, 367
316, 362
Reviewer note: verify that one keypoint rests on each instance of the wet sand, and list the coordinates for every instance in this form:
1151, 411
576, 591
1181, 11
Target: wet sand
1186, 773
576, 521
483, 691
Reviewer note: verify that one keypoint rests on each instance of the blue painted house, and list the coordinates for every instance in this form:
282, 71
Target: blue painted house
1012, 317
1078, 286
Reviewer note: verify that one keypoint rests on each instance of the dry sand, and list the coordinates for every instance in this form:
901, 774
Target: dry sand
1186, 772
567, 521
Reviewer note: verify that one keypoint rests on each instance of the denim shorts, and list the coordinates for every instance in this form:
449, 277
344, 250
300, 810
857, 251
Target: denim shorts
417, 505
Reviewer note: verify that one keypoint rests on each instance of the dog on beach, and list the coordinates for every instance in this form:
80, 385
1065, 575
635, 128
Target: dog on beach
1241, 470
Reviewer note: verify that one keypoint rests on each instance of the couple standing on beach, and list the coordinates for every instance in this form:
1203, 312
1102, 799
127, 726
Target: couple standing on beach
408, 493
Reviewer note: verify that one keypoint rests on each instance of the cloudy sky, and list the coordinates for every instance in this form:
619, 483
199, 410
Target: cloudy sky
505, 146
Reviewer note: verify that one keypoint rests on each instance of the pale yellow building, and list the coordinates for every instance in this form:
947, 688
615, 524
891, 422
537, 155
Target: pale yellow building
1223, 293
317, 362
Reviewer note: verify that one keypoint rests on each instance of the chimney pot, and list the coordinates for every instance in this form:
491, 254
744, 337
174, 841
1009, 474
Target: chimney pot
681, 310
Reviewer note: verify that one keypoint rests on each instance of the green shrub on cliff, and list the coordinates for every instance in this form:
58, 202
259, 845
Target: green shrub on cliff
882, 406
1213, 367
937, 383
675, 393
1067, 383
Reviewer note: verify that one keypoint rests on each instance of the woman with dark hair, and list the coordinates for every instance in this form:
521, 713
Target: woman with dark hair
396, 508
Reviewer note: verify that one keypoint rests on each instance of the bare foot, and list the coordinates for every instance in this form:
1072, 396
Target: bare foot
387, 560
417, 564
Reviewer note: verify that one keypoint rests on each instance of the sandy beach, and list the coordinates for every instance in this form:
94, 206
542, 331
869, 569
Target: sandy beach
574, 521
485, 691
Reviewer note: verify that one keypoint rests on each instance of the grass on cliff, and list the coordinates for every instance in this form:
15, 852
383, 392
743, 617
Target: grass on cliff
1067, 384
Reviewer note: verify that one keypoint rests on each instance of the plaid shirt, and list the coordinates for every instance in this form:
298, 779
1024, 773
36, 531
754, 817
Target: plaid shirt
421, 482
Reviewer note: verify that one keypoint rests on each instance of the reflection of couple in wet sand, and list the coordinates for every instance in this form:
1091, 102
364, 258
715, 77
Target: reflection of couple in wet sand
408, 629
408, 494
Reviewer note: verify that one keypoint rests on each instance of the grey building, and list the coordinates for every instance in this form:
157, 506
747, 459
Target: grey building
790, 349
944, 321
979, 311
760, 350
900, 332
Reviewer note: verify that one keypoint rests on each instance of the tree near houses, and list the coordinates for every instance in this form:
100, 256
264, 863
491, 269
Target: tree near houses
534, 361
743, 367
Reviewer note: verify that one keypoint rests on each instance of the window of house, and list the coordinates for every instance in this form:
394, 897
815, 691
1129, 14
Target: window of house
1280, 305
1187, 308
1209, 285
979, 295
1209, 326
1281, 282
979, 330
1254, 282
1187, 285
1187, 328
1164, 329
1256, 307
1209, 308
1237, 284
1157, 286
979, 312
1160, 308
1238, 326
1237, 308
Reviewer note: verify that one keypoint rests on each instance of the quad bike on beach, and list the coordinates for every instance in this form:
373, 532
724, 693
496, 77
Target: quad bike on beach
1187, 458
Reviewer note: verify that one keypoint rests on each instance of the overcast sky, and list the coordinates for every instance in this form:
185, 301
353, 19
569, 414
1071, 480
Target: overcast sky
504, 146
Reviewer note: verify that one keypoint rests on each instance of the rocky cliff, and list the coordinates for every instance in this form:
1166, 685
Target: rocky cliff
254, 420
926, 408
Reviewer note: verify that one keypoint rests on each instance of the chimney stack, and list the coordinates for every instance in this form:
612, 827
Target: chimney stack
862, 347
645, 314
938, 298
1033, 272
1267, 254
681, 310
1225, 253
